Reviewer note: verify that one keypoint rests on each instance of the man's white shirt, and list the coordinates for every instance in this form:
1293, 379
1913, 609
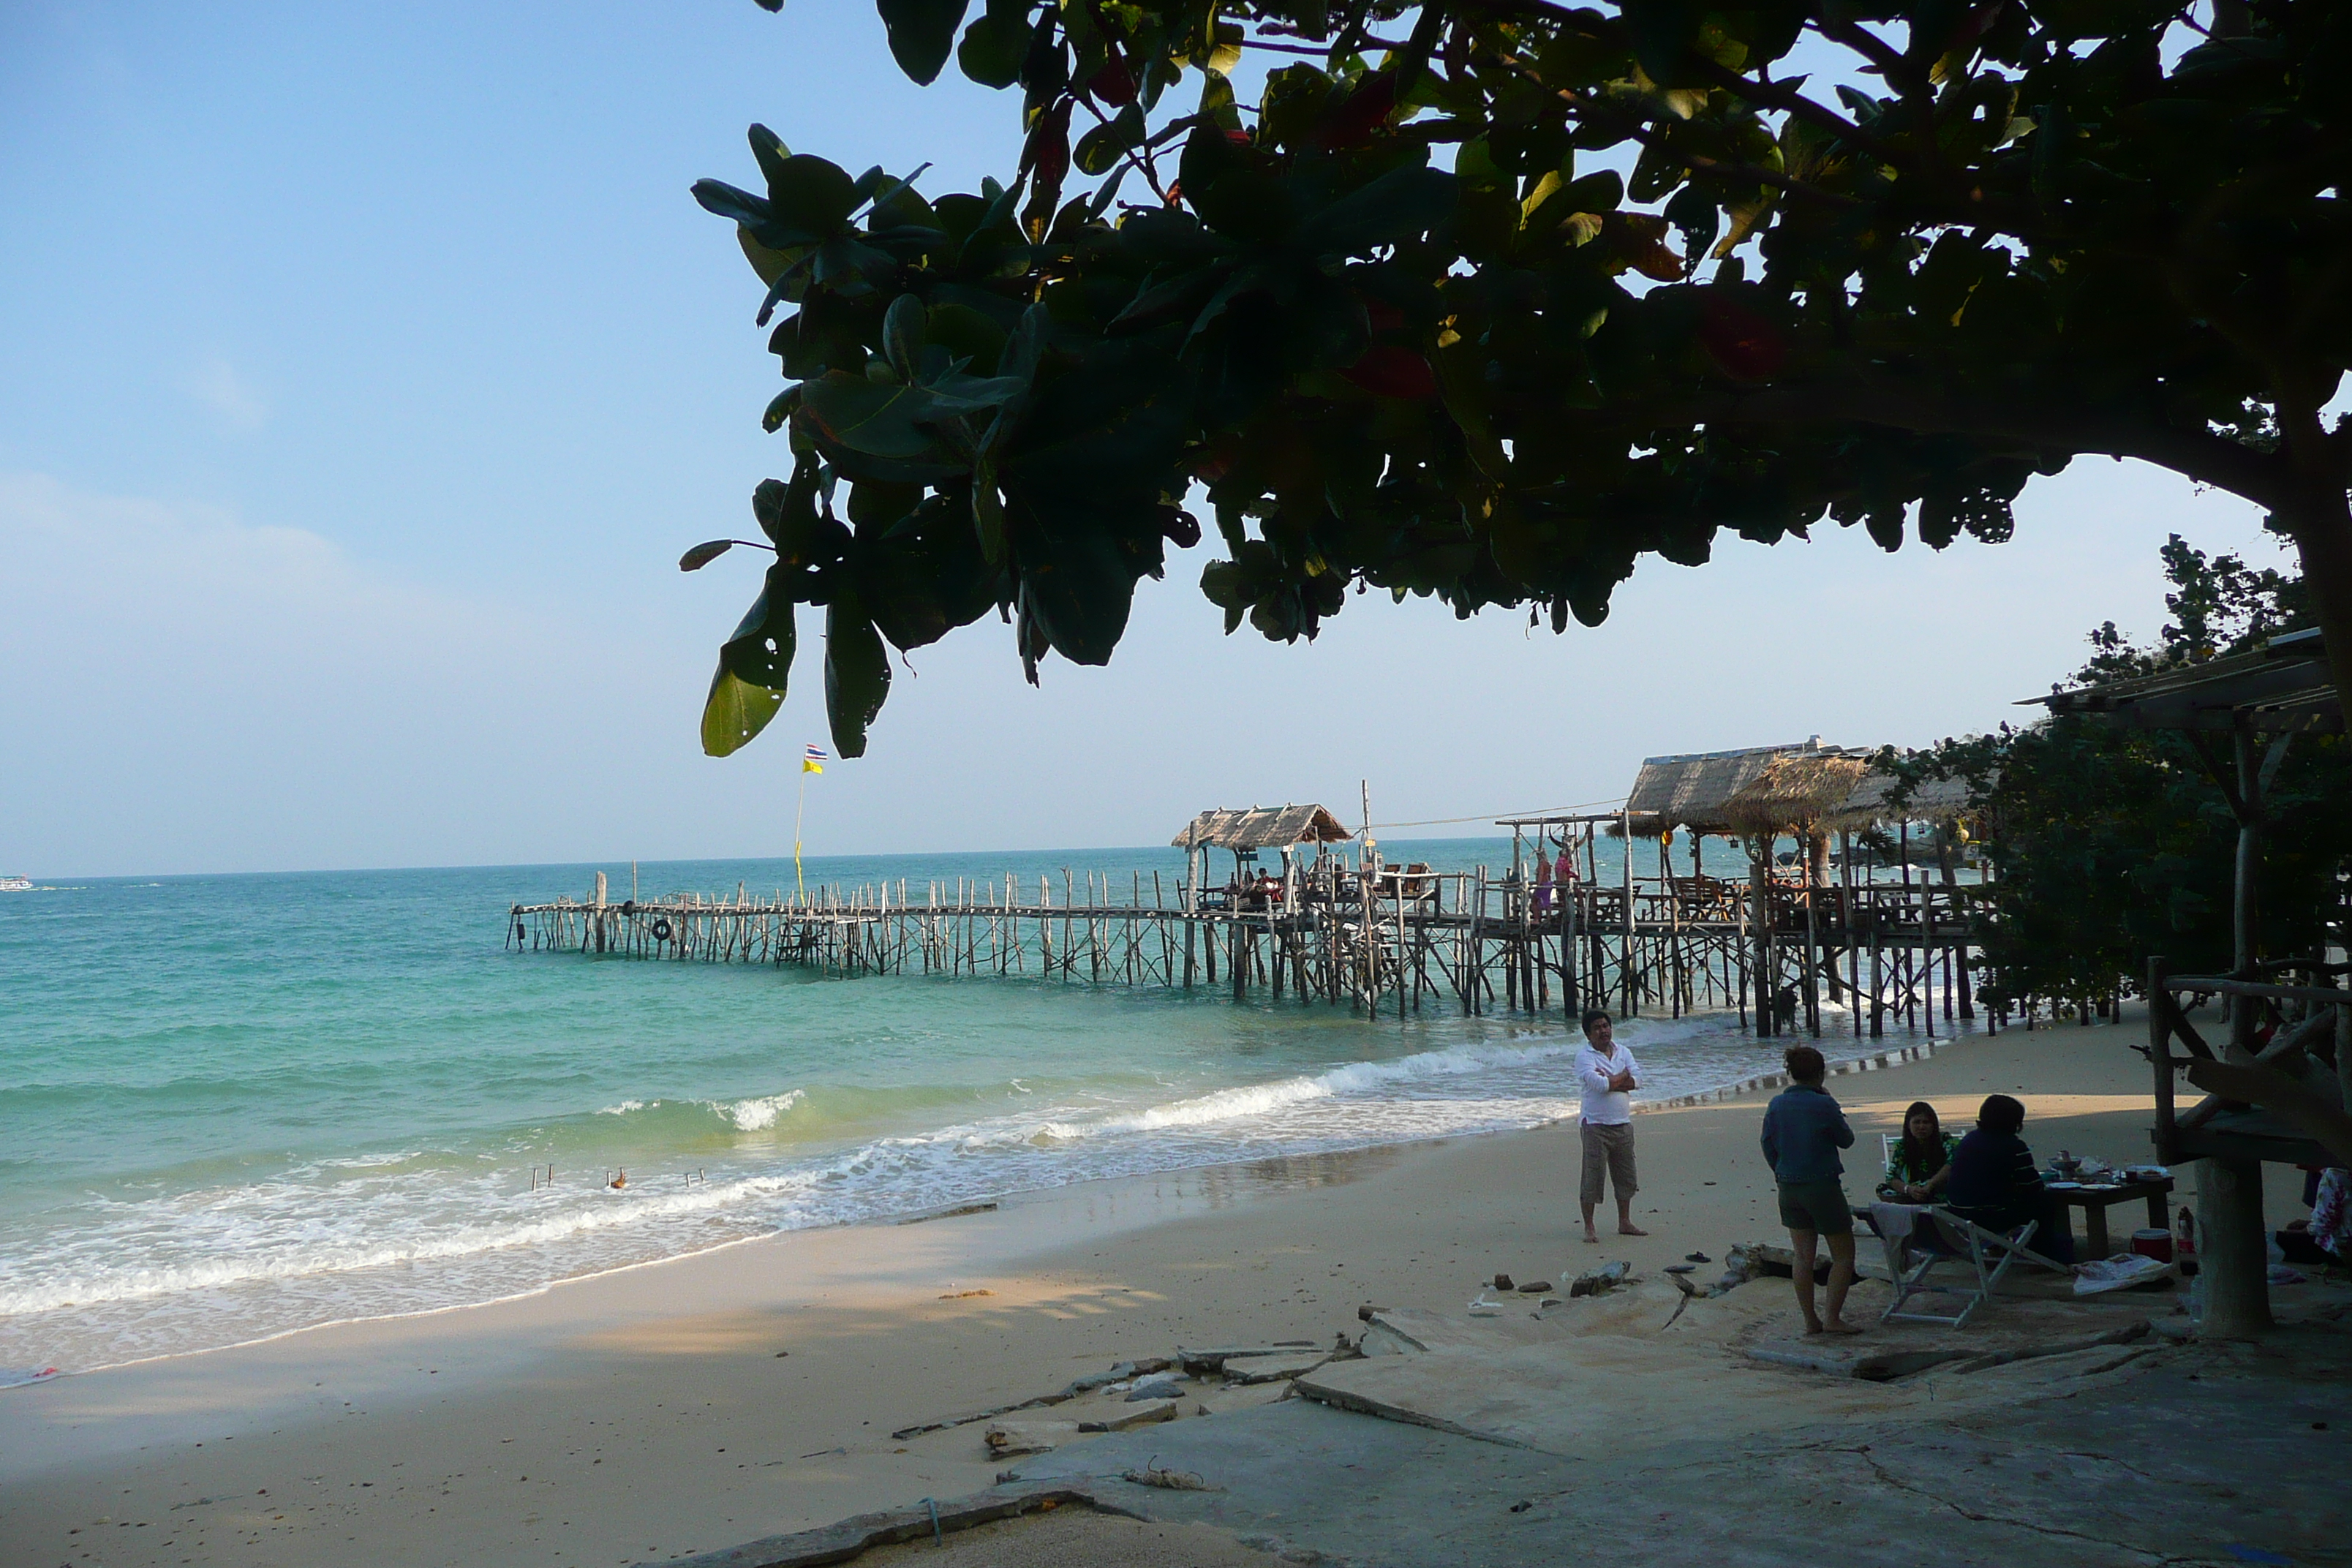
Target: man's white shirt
1604, 1106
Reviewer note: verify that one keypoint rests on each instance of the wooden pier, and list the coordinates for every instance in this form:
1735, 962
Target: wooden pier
1372, 936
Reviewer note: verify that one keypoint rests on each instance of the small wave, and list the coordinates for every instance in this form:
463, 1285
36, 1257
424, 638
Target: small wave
626, 1106
273, 1239
759, 1115
1356, 1077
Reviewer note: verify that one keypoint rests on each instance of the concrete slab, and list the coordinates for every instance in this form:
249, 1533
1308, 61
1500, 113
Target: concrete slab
1272, 1368
2202, 1456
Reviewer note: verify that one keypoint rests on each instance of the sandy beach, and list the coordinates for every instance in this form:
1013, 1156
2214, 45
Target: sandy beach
691, 1405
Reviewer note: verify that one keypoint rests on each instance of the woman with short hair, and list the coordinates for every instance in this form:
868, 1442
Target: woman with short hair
1995, 1184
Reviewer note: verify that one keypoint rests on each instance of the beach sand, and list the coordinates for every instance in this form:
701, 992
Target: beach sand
692, 1404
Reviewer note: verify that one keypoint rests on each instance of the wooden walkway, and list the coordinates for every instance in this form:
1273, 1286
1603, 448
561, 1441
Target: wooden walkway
1389, 940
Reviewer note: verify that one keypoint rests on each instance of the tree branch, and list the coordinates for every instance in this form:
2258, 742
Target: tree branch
2260, 477
1633, 128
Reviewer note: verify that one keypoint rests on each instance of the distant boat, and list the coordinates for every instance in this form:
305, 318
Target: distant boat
15, 884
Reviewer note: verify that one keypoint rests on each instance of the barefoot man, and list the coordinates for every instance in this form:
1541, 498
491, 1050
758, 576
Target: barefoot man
1607, 1072
1803, 1131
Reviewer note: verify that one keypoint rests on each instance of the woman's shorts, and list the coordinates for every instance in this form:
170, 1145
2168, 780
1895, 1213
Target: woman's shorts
1818, 1207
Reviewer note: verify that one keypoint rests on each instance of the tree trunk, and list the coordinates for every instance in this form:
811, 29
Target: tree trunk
2232, 1258
2322, 531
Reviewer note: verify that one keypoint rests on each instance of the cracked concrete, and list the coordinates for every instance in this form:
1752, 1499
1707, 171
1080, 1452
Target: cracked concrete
2174, 1455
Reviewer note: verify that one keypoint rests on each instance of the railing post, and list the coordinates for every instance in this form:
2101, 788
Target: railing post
2159, 1052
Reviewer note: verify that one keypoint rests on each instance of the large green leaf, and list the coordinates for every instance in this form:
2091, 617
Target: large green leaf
922, 32
734, 712
811, 194
760, 653
1400, 204
1101, 148
993, 49
856, 674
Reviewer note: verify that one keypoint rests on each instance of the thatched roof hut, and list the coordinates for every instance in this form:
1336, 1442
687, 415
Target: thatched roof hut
1697, 791
1793, 793
1867, 806
1261, 827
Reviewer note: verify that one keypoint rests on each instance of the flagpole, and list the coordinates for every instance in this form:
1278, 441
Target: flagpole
802, 810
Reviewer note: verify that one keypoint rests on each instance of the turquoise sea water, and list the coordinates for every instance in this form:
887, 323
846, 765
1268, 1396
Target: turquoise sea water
235, 1106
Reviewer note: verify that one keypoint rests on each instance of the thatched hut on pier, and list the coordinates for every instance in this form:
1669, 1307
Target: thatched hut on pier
1245, 832
1755, 795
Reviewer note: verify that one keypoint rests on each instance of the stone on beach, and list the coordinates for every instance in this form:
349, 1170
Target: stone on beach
1209, 1363
1249, 1369
1155, 1388
1607, 1277
1163, 1412
1008, 1439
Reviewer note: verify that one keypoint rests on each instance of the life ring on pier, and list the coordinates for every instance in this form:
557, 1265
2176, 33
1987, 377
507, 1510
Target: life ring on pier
661, 931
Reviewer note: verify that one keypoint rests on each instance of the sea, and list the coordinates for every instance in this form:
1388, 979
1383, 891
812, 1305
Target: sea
234, 1107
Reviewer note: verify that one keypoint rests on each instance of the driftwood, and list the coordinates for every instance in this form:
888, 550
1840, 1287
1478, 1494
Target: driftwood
861, 1532
1077, 1387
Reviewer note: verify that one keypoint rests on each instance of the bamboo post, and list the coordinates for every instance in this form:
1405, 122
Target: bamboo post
1626, 1002
1570, 977
1812, 954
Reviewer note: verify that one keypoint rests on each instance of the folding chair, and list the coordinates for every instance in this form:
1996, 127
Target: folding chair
1987, 1253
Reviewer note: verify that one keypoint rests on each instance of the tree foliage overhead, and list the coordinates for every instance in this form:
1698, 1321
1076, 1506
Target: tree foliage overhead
1485, 299
2112, 844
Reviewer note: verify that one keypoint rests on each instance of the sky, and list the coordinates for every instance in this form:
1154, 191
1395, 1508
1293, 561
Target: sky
369, 368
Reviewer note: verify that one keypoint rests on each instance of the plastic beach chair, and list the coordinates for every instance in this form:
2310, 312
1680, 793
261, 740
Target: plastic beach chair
1986, 1254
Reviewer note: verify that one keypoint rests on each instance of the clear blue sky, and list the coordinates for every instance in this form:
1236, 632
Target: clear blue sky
370, 366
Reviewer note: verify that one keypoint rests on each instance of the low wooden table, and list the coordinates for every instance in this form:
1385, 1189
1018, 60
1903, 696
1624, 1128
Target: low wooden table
2096, 1200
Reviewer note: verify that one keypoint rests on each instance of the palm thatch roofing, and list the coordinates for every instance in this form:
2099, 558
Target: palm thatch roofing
1935, 800
1793, 793
1261, 827
1695, 791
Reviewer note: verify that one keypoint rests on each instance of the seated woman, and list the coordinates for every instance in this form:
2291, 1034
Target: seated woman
1994, 1182
1921, 1161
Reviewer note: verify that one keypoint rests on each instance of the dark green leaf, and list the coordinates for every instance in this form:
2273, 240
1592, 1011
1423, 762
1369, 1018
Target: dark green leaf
922, 32
856, 674
761, 651
1100, 148
811, 194
992, 50
703, 555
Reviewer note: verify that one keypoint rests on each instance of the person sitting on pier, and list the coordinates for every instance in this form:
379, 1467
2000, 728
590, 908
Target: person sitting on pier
1607, 1072
1994, 1182
1921, 1161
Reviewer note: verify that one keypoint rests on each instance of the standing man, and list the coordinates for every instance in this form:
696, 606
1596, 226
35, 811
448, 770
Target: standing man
1607, 1073
1803, 1131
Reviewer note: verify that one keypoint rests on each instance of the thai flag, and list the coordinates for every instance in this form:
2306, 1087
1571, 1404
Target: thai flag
814, 754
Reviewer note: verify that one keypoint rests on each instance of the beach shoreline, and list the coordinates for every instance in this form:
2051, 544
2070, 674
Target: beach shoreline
709, 1398
225, 1301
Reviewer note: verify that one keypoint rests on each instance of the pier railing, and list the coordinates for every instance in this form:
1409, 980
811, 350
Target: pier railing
1791, 957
